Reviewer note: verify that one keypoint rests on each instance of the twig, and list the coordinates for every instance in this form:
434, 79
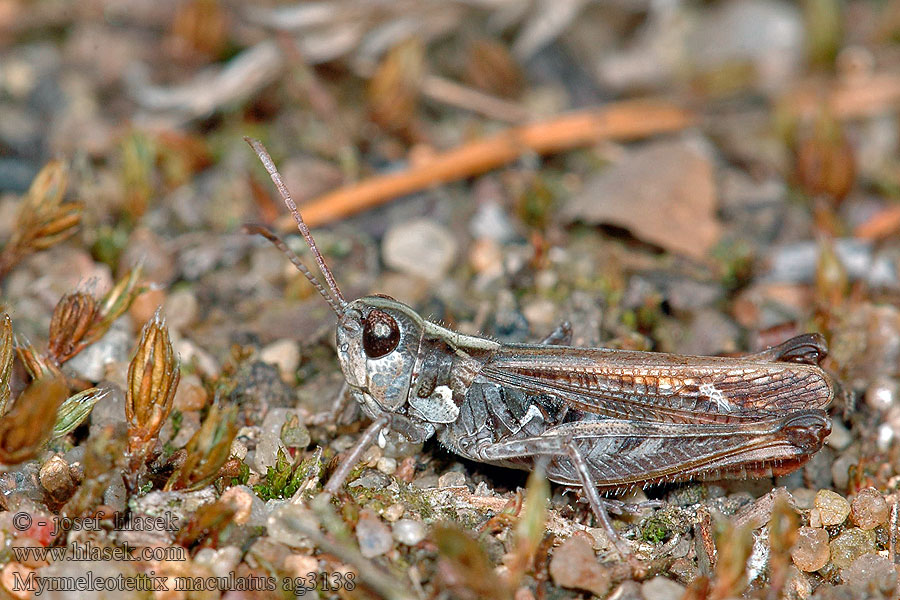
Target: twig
861, 97
455, 94
625, 120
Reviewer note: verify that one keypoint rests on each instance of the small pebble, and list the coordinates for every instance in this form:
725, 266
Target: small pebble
284, 354
523, 593
798, 585
370, 479
486, 257
393, 512
815, 521
452, 479
882, 393
871, 573
299, 565
181, 309
32, 561
811, 551
371, 456
267, 451
869, 509
627, 590
660, 588
419, 247
8, 577
840, 469
386, 465
238, 449
426, 482
850, 545
574, 566
241, 498
113, 347
409, 532
220, 562
145, 305
190, 395
286, 424
373, 536
833, 508
541, 314
840, 437
804, 498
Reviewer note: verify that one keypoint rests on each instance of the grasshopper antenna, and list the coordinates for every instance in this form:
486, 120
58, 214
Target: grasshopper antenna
335, 299
295, 260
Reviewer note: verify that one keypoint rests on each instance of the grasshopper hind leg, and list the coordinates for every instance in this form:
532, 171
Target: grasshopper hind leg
807, 349
560, 447
594, 500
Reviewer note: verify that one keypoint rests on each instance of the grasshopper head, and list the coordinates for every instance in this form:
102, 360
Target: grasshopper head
377, 344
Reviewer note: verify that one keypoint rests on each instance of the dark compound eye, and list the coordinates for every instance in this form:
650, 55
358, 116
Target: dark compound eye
381, 334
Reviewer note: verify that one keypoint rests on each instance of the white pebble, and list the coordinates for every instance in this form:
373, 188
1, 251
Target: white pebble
386, 465
409, 532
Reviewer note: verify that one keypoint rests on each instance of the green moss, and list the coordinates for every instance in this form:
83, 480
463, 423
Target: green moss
656, 529
285, 477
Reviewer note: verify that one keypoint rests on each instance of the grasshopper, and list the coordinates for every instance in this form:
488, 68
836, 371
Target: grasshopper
595, 418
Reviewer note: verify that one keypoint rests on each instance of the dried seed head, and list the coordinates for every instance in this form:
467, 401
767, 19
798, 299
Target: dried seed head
394, 88
43, 219
29, 423
72, 319
80, 319
207, 450
153, 376
56, 478
76, 409
116, 301
35, 363
6, 360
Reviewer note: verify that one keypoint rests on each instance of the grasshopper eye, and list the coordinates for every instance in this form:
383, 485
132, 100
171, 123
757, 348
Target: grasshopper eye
381, 334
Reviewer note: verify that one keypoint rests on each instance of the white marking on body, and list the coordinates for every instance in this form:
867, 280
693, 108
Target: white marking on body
716, 395
532, 413
439, 407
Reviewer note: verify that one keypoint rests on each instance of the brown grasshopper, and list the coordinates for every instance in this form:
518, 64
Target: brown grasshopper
598, 418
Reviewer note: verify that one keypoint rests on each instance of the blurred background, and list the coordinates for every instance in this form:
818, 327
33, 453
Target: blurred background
697, 177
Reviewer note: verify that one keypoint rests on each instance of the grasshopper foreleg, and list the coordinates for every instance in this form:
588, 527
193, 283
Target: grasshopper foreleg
362, 444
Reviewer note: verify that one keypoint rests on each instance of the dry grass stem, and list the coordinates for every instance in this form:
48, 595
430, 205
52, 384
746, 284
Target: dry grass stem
44, 220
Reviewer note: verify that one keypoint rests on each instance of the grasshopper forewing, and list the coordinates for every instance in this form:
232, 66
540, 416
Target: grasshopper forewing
598, 418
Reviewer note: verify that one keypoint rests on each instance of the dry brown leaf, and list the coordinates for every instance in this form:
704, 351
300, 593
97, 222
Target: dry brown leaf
663, 193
